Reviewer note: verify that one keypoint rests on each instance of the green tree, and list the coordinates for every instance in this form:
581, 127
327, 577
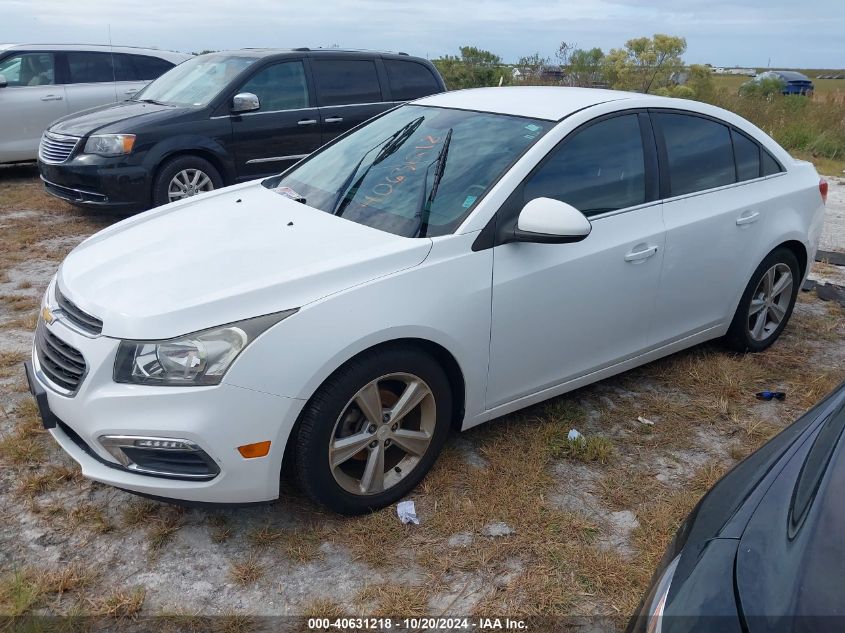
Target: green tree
700, 81
533, 65
646, 63
474, 68
586, 67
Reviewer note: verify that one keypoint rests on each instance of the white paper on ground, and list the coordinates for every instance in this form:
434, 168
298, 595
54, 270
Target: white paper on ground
574, 435
407, 512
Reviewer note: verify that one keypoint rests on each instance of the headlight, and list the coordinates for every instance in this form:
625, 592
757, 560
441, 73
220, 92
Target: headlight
110, 144
658, 602
195, 359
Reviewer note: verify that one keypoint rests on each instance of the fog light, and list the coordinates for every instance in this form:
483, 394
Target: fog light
259, 449
161, 456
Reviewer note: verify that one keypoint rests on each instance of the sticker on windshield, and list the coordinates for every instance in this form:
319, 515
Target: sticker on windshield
533, 128
469, 200
287, 192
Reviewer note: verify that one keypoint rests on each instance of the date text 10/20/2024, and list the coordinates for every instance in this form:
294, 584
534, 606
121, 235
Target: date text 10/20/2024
413, 624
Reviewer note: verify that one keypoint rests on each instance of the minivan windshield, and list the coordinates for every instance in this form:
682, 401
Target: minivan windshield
416, 171
195, 82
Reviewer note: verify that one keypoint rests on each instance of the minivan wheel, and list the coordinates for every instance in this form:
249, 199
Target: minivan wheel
373, 430
767, 303
183, 177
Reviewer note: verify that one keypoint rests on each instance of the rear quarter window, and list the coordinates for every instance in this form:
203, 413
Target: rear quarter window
346, 81
770, 165
410, 80
149, 68
747, 155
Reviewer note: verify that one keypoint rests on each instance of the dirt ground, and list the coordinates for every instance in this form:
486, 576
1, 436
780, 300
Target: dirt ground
515, 520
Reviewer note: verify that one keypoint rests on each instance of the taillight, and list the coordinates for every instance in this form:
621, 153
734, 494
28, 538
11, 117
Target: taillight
823, 189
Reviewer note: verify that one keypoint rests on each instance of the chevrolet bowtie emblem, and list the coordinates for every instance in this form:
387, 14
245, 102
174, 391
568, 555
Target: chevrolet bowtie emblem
47, 315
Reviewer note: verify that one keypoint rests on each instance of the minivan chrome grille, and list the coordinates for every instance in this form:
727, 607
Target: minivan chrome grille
56, 148
61, 364
80, 318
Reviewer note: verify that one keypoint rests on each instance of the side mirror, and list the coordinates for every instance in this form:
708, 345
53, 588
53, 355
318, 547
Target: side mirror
549, 221
245, 102
3, 82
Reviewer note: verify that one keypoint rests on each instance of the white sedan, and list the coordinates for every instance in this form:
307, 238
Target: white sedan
451, 261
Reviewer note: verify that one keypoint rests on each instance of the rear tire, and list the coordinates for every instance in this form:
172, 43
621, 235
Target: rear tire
184, 177
354, 458
766, 304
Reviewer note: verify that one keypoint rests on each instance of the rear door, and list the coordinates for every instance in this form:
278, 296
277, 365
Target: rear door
714, 217
89, 79
30, 101
349, 91
284, 129
133, 72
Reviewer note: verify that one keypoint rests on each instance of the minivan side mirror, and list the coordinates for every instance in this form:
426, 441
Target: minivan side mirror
245, 102
550, 221
3, 82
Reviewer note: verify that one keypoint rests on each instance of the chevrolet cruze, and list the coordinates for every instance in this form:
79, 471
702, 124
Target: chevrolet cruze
446, 263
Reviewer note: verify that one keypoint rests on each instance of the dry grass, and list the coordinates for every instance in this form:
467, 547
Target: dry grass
164, 526
119, 604
90, 515
52, 478
247, 571
594, 448
24, 444
30, 588
139, 512
395, 600
323, 608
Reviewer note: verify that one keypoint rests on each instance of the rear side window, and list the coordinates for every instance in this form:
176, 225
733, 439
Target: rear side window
699, 153
770, 165
89, 68
410, 80
149, 68
124, 69
29, 69
601, 168
279, 87
747, 155
345, 81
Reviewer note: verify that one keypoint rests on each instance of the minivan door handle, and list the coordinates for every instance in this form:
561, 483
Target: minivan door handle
747, 217
52, 98
333, 119
307, 122
644, 253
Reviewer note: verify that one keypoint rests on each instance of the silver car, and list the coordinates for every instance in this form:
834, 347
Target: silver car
41, 82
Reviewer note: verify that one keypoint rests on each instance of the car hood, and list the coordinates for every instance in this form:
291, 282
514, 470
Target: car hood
791, 555
112, 116
237, 253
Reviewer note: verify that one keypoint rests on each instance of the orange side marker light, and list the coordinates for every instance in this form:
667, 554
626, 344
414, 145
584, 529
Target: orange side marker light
259, 449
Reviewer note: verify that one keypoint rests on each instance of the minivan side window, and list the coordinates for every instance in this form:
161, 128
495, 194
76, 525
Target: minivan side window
89, 68
747, 155
601, 168
770, 165
410, 80
150, 67
346, 81
279, 87
29, 69
699, 152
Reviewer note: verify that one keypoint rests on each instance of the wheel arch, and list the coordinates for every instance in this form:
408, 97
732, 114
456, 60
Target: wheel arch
799, 250
204, 153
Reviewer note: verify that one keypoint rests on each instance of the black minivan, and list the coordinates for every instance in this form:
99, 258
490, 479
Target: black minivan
222, 118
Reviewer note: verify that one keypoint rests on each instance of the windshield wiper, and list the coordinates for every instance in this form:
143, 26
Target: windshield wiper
153, 101
425, 205
389, 146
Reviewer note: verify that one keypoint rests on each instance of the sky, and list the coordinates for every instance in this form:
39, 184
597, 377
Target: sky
780, 33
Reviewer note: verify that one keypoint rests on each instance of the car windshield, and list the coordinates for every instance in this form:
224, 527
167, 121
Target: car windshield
195, 82
416, 171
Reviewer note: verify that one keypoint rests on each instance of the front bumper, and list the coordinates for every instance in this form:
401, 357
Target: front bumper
218, 419
96, 182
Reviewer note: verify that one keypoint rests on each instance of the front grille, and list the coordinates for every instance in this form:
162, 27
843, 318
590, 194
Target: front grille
62, 364
79, 318
55, 148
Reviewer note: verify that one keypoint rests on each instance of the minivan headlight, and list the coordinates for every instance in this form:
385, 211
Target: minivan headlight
110, 144
197, 359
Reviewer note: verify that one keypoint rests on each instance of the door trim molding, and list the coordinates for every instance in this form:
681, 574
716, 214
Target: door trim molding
274, 159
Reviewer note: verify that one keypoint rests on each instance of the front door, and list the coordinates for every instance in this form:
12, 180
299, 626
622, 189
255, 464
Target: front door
285, 128
561, 311
29, 102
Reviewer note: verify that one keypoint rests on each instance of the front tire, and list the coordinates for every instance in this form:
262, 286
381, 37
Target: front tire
766, 304
184, 177
373, 430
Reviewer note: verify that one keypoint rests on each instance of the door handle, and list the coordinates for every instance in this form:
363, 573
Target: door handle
307, 122
747, 217
131, 92
637, 256
52, 98
333, 119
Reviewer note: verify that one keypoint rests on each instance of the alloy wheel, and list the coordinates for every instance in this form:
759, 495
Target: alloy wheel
382, 433
770, 302
187, 183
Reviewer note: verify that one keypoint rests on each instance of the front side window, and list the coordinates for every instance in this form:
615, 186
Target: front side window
699, 153
346, 81
279, 87
410, 80
601, 168
197, 81
415, 171
29, 69
90, 68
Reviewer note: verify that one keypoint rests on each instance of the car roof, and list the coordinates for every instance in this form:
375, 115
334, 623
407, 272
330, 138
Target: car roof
173, 56
537, 102
791, 75
346, 52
